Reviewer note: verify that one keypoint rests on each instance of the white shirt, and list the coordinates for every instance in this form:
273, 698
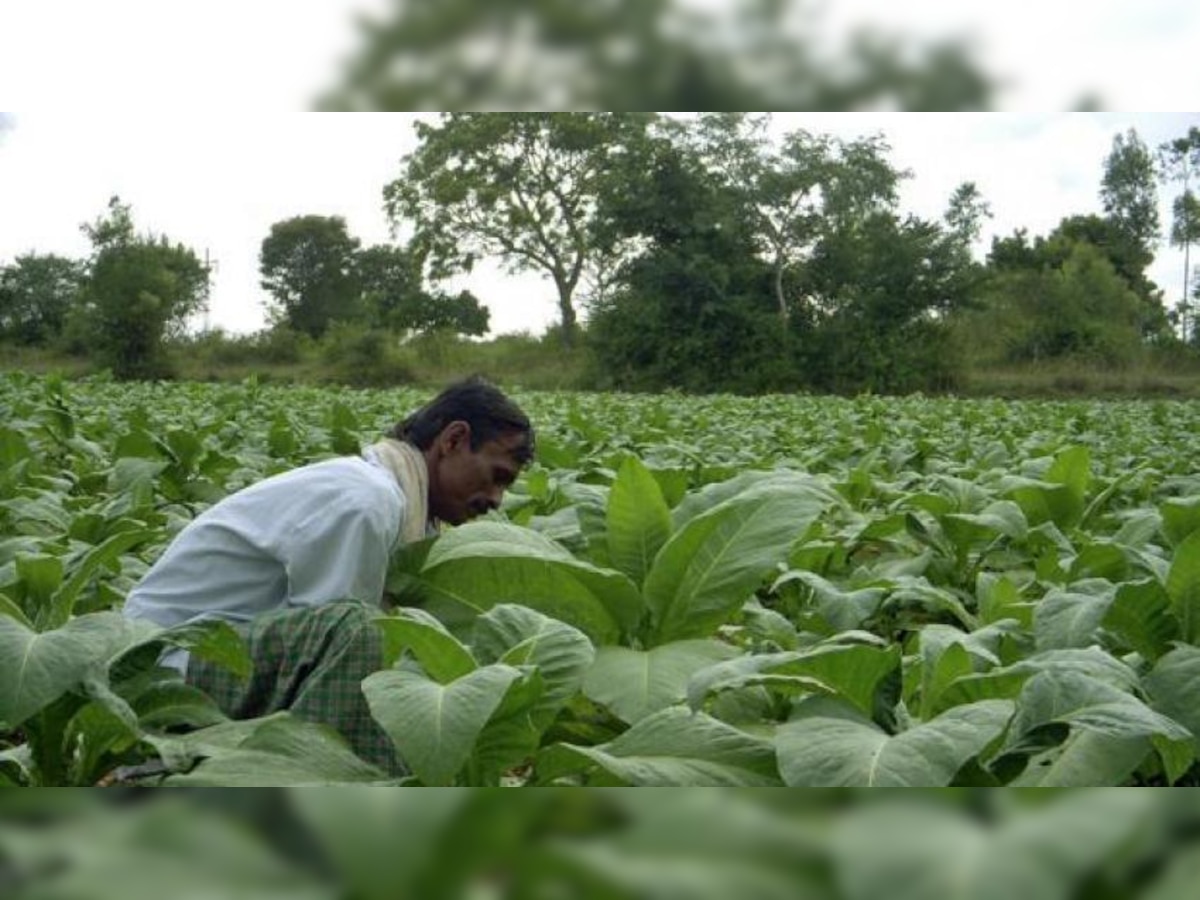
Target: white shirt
305, 537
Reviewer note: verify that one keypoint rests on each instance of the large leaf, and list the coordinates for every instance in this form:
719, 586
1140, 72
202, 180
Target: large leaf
476, 566
671, 748
1180, 518
635, 683
1084, 702
1140, 615
638, 520
1038, 851
1183, 587
713, 563
1086, 759
281, 751
523, 637
1173, 687
1070, 618
434, 726
37, 669
825, 751
853, 672
62, 605
440, 654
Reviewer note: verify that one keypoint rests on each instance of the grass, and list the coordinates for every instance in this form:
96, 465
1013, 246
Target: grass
524, 361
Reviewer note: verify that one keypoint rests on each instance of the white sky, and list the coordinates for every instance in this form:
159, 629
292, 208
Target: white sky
187, 110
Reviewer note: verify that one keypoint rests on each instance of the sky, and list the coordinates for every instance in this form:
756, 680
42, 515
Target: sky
194, 113
218, 181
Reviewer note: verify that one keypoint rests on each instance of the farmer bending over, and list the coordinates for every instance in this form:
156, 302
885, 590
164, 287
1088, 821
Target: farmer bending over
298, 562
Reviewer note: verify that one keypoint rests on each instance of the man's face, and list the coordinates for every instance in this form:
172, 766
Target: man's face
465, 483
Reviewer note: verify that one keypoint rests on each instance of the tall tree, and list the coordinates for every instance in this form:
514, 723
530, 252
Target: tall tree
519, 187
1180, 161
1129, 193
965, 214
36, 293
307, 264
139, 289
795, 191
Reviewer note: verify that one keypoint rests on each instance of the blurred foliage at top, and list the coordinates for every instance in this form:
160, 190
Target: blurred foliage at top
645, 54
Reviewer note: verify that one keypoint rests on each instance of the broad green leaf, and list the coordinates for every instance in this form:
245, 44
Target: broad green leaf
638, 520
440, 654
635, 683
1140, 615
476, 566
713, 563
910, 850
843, 610
9, 608
841, 752
1180, 518
42, 576
62, 604
213, 641
1069, 619
712, 495
1086, 759
523, 637
1001, 518
853, 672
281, 751
37, 669
670, 748
434, 726
1183, 587
1173, 686
1006, 682
1078, 700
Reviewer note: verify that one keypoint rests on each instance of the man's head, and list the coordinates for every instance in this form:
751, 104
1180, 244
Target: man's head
475, 442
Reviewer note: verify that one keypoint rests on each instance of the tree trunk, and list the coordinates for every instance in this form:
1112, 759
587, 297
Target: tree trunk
567, 314
783, 310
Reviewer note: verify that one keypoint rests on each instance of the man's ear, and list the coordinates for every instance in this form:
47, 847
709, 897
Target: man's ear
455, 435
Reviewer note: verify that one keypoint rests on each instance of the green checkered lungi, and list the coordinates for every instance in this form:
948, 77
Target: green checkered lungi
310, 661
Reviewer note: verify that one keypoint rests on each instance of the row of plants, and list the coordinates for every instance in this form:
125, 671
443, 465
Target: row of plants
681, 591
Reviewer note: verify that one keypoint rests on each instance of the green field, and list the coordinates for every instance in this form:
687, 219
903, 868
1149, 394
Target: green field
681, 591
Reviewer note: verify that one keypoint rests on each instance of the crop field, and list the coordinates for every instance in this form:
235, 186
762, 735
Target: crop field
784, 590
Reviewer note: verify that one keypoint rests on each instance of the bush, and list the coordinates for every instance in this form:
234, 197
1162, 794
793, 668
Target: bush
362, 357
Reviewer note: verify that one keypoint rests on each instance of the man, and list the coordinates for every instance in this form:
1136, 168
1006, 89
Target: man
298, 562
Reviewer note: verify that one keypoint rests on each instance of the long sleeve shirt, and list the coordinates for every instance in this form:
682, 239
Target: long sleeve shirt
305, 537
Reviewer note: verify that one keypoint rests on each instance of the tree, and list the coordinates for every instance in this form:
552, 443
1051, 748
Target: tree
793, 193
966, 213
36, 294
519, 187
139, 289
1180, 160
693, 309
307, 264
882, 293
1071, 303
1128, 192
645, 54
395, 297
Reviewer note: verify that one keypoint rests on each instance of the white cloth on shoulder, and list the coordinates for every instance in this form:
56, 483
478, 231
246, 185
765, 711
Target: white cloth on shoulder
407, 465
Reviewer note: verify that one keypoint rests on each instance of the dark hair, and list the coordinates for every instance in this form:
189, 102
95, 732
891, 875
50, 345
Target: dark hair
478, 403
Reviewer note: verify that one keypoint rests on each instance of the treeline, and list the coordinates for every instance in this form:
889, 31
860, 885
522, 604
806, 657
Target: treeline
702, 254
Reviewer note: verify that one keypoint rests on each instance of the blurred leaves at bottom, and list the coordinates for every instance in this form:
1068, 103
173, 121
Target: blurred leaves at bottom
373, 843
